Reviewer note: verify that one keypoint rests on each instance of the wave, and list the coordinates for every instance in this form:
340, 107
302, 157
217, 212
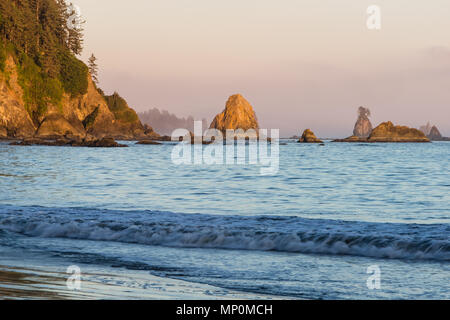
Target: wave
263, 233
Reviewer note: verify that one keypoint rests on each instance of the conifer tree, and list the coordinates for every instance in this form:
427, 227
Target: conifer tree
93, 68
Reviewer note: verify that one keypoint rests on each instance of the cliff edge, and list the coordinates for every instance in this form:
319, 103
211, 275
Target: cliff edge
88, 114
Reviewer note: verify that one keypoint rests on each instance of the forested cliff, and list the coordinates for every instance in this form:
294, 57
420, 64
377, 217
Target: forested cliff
45, 90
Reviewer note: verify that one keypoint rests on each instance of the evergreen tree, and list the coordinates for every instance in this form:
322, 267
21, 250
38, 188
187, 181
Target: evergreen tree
93, 68
44, 45
74, 29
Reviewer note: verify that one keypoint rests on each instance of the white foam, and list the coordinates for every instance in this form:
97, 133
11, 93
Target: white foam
287, 234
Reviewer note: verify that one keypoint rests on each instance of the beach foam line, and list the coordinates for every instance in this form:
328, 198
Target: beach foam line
261, 233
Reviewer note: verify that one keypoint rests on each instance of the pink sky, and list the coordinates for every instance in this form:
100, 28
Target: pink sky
301, 64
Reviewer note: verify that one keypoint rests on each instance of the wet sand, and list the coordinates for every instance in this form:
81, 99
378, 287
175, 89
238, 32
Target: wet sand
17, 283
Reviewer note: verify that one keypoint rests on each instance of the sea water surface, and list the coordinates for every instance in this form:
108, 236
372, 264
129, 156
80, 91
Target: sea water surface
310, 231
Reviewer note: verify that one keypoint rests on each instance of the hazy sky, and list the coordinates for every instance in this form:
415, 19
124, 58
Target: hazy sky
300, 63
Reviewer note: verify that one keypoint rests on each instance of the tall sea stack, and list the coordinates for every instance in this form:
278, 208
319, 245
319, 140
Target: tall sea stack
238, 114
363, 127
434, 134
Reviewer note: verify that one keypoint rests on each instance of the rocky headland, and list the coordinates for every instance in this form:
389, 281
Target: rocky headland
86, 115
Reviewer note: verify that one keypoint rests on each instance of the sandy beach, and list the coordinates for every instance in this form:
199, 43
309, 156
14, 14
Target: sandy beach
23, 284
30, 284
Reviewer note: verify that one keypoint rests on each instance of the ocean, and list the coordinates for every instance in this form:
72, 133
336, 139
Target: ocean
315, 230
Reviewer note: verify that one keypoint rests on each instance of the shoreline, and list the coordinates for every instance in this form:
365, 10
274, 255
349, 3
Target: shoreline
18, 283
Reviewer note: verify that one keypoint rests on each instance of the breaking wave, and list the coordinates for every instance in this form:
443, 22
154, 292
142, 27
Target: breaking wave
263, 233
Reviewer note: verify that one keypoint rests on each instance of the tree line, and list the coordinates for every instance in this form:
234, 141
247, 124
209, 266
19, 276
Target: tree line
40, 29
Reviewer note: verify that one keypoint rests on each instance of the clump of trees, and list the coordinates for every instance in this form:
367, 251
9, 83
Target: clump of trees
41, 30
45, 45
120, 108
165, 123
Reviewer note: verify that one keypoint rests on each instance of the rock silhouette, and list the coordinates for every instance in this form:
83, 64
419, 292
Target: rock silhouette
363, 127
434, 134
426, 129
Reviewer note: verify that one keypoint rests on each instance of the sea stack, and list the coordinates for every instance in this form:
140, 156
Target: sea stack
387, 132
426, 129
434, 134
363, 127
309, 137
238, 114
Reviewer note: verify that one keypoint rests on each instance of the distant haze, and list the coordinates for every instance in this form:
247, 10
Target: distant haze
301, 64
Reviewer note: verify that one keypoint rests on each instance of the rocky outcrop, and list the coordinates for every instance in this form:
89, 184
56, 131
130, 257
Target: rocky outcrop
56, 125
126, 124
309, 137
363, 127
352, 139
434, 134
3, 133
88, 114
14, 119
238, 114
148, 142
387, 132
106, 142
426, 129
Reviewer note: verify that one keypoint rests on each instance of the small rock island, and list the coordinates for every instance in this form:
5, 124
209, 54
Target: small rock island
309, 137
238, 114
388, 132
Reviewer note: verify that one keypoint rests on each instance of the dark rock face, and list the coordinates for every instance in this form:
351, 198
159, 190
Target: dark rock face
103, 143
426, 129
69, 142
352, 139
309, 137
148, 142
433, 133
3, 133
363, 127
